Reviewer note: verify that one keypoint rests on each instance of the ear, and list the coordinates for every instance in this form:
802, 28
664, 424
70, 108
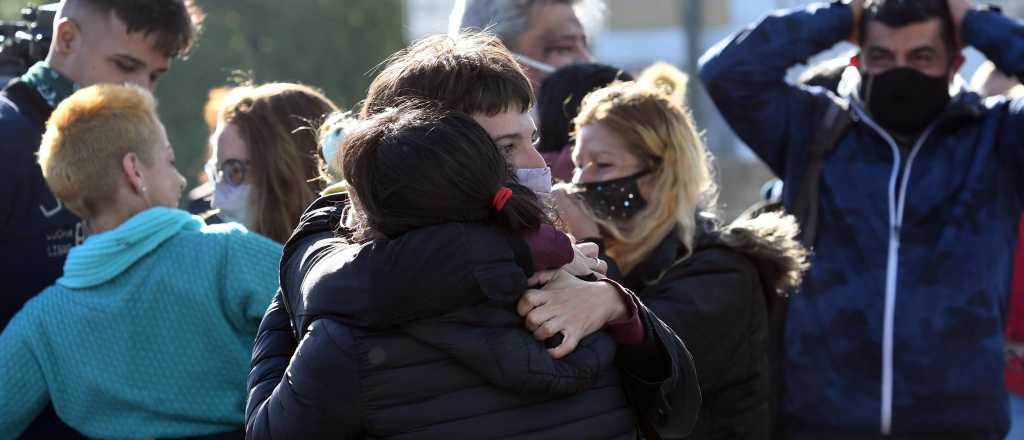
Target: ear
131, 167
66, 36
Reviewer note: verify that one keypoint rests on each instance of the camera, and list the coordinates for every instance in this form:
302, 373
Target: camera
25, 42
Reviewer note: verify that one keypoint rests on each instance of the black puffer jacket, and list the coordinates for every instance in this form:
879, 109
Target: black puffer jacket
717, 300
418, 338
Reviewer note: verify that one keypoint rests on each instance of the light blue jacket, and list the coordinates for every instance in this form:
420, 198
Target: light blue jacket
148, 333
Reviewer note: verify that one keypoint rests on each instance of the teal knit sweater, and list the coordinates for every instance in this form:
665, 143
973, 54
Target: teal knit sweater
148, 333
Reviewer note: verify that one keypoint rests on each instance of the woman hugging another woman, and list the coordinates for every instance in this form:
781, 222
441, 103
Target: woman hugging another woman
643, 190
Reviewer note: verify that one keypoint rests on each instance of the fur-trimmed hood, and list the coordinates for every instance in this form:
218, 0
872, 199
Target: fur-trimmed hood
769, 240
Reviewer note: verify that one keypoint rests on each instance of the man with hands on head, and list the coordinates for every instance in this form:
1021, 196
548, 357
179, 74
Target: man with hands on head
898, 328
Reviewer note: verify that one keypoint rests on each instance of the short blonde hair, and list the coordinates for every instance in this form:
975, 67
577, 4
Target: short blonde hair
88, 136
648, 114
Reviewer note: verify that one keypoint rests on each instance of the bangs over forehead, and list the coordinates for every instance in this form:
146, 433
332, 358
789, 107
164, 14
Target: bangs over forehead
471, 73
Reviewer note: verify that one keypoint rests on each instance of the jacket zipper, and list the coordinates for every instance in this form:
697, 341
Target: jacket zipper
896, 208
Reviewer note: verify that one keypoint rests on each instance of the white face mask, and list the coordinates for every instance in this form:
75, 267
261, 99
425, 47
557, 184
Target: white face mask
537, 179
541, 66
330, 149
232, 201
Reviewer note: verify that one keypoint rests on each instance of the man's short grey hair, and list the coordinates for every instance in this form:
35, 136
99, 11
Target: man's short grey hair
508, 19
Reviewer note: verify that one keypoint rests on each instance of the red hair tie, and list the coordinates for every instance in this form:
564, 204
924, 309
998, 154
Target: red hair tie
501, 198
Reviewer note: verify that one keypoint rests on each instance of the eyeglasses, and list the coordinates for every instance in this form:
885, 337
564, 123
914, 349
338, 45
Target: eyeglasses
232, 171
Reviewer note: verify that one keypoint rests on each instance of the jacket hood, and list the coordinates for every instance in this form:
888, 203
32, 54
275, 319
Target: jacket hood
769, 240
106, 255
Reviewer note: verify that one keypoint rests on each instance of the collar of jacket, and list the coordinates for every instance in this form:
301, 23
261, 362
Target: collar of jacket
668, 253
767, 239
325, 214
52, 85
106, 255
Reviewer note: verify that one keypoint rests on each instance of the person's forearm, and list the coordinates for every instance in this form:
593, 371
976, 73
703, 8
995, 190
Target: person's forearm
626, 327
646, 360
23, 390
745, 75
275, 344
763, 53
1000, 38
314, 398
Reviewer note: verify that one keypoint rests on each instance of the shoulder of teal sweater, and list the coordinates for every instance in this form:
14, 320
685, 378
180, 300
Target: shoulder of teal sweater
42, 305
224, 229
235, 235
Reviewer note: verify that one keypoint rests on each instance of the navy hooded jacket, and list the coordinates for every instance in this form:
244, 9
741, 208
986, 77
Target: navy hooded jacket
36, 231
899, 326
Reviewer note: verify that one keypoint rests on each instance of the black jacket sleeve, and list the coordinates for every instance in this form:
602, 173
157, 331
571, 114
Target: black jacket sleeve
271, 353
660, 379
316, 396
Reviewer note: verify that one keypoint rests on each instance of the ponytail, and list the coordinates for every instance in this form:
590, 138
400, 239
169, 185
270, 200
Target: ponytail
420, 165
523, 211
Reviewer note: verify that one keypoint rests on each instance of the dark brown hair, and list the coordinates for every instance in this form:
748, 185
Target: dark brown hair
561, 94
899, 13
471, 73
419, 165
278, 123
176, 23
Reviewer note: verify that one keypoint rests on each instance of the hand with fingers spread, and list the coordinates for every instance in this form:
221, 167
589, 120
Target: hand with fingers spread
572, 307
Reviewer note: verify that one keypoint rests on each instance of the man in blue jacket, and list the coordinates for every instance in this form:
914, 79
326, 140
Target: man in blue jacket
94, 41
898, 328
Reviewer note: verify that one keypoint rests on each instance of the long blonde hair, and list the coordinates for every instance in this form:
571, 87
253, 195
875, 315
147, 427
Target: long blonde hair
649, 116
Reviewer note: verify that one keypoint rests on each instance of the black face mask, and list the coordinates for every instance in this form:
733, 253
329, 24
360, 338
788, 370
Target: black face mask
614, 200
904, 100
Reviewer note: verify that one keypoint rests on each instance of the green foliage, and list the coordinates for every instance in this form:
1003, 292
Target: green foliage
9, 9
333, 45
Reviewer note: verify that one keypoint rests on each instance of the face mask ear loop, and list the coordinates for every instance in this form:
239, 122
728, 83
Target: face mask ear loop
540, 66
